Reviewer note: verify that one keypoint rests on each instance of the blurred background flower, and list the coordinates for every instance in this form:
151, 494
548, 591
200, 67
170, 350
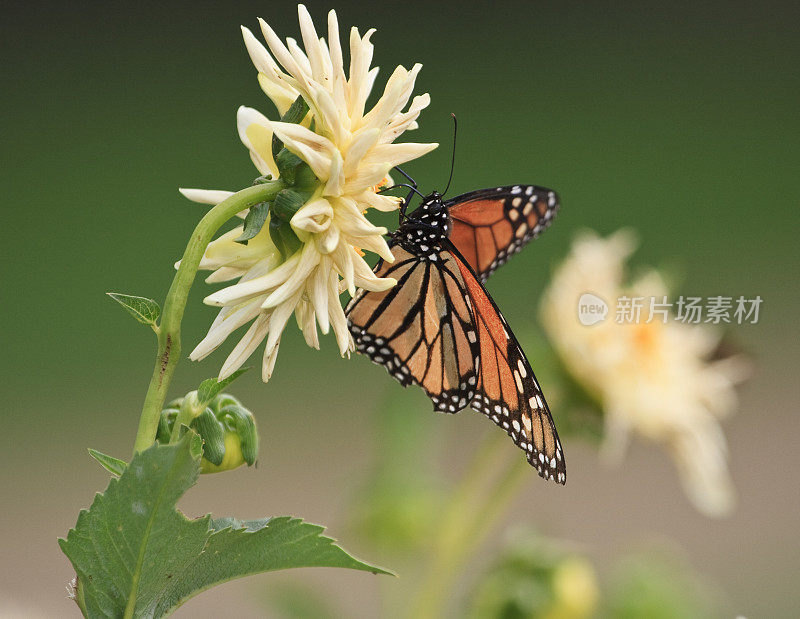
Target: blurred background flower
654, 376
533, 577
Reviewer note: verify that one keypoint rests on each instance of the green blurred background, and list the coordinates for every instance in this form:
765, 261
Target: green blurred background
677, 119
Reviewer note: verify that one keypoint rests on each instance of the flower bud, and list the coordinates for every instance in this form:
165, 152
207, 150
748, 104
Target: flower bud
228, 430
239, 421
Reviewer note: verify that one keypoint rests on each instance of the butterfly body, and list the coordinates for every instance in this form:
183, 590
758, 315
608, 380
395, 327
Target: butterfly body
440, 329
423, 231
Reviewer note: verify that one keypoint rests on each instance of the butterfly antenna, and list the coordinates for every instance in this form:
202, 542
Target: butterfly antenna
407, 199
453, 160
413, 189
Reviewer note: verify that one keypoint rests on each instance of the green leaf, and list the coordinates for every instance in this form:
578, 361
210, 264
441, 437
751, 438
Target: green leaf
284, 237
210, 387
113, 465
142, 309
135, 555
288, 164
295, 114
254, 221
288, 202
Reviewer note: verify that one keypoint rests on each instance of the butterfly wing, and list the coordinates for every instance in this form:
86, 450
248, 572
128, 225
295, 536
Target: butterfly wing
508, 392
420, 330
491, 225
439, 328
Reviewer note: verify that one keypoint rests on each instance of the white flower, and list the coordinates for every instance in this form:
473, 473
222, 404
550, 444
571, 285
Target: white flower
351, 151
652, 378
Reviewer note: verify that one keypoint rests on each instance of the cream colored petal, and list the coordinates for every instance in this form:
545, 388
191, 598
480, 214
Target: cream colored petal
336, 178
366, 278
376, 244
381, 202
337, 62
314, 216
328, 240
221, 251
352, 222
208, 196
331, 121
398, 91
366, 176
327, 64
316, 150
249, 342
616, 437
312, 44
224, 274
281, 93
372, 76
700, 454
239, 317
405, 121
256, 134
300, 58
278, 319
309, 259
222, 314
396, 154
257, 286
262, 61
307, 323
268, 364
359, 84
338, 320
205, 196
389, 103
284, 56
317, 289
379, 160
343, 260
362, 142
225, 251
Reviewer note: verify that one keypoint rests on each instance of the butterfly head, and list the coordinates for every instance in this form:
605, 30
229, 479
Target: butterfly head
431, 214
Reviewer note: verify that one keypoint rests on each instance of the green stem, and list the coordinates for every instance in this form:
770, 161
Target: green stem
169, 331
469, 517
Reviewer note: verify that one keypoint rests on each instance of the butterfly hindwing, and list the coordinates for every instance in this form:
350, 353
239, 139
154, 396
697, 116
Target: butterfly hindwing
508, 392
491, 225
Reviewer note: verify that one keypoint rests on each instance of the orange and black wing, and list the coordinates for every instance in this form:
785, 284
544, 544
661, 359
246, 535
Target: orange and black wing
508, 392
438, 328
491, 225
421, 330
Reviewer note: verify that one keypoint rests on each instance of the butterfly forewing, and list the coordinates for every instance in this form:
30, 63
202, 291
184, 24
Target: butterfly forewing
491, 225
421, 330
438, 328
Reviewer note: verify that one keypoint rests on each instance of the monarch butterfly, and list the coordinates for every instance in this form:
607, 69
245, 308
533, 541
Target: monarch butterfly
440, 329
